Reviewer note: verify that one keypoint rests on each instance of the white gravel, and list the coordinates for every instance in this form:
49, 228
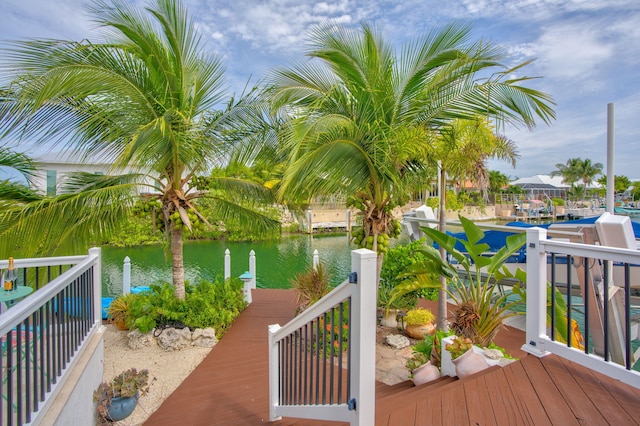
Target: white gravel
166, 369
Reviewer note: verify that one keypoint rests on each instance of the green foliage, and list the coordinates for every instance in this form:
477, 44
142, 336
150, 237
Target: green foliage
206, 304
421, 352
558, 201
477, 293
419, 316
395, 262
453, 202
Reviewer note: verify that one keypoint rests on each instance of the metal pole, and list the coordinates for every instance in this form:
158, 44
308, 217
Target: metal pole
610, 158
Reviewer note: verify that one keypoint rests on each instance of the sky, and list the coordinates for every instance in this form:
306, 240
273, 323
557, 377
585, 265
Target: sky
587, 53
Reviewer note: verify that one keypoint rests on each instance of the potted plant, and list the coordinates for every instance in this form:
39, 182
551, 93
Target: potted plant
465, 359
419, 323
118, 310
481, 309
118, 398
422, 371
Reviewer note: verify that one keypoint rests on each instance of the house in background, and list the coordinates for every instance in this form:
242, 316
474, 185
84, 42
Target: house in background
53, 168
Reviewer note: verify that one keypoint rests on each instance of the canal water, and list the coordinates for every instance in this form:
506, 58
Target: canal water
276, 261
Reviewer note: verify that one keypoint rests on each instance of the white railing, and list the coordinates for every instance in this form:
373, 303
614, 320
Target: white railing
296, 387
608, 326
44, 334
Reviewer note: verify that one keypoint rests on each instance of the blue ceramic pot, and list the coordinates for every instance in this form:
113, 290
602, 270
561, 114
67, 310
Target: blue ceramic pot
121, 408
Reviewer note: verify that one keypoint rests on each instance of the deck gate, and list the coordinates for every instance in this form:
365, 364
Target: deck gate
322, 363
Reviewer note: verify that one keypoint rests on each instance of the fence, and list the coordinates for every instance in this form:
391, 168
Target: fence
322, 363
43, 335
607, 323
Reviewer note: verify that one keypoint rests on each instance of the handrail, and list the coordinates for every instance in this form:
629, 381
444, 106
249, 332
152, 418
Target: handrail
607, 306
44, 335
297, 347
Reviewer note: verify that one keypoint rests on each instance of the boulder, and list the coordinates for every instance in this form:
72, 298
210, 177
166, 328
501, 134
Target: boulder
397, 341
137, 340
174, 339
205, 338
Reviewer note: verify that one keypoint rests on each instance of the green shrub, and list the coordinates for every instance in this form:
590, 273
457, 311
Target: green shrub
396, 261
206, 304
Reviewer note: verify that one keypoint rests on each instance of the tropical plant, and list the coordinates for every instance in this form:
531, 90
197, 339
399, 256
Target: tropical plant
480, 312
127, 384
498, 181
310, 286
586, 171
118, 310
12, 192
568, 171
421, 352
361, 118
142, 99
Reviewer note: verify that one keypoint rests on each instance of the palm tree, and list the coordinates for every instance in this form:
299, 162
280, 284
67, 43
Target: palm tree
362, 115
11, 192
587, 171
497, 181
568, 171
144, 97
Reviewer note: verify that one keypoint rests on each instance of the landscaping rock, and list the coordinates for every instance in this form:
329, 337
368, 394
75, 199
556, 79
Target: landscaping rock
174, 339
205, 338
137, 340
397, 341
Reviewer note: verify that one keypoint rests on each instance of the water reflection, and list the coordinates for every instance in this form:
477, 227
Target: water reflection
276, 261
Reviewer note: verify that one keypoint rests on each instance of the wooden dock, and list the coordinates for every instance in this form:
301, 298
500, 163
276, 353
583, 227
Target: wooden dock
230, 386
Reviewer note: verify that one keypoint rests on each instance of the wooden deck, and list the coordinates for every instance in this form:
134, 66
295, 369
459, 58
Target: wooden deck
230, 387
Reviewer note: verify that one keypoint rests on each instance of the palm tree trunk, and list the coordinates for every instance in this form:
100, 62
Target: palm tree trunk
177, 261
442, 226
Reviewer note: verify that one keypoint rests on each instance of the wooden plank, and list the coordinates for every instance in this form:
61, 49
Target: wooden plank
454, 407
552, 401
405, 416
594, 387
430, 412
476, 393
572, 392
528, 404
503, 404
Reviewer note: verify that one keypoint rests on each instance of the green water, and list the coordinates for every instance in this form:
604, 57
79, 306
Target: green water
276, 261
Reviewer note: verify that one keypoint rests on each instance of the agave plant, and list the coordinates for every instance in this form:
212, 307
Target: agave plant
481, 310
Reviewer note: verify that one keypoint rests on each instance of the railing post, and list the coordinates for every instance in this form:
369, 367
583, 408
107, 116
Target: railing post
126, 276
227, 264
97, 284
274, 373
252, 268
536, 289
316, 259
363, 344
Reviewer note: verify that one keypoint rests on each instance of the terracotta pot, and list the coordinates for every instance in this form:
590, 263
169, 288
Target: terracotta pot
469, 363
418, 331
120, 324
425, 373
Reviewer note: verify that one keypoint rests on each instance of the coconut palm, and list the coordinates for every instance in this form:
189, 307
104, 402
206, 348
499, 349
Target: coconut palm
12, 192
145, 98
587, 171
362, 115
568, 171
497, 181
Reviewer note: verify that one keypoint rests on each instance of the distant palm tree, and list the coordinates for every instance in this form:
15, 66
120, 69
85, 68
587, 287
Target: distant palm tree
568, 171
146, 98
587, 171
362, 117
497, 181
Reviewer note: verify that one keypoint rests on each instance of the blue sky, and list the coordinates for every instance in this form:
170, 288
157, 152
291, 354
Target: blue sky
588, 53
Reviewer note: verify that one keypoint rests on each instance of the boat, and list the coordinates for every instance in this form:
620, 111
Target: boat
580, 230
